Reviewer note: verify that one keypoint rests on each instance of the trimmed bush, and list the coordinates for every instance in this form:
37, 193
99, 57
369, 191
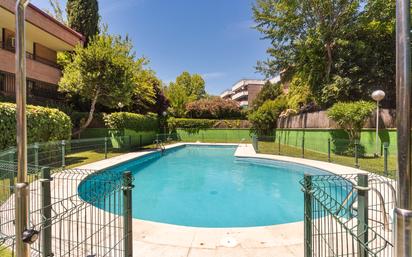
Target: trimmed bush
194, 125
43, 124
264, 118
213, 108
133, 121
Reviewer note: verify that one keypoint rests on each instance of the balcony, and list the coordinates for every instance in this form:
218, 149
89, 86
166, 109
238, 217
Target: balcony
243, 103
36, 68
241, 94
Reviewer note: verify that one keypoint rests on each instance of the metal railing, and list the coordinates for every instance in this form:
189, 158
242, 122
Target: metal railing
72, 212
339, 151
348, 215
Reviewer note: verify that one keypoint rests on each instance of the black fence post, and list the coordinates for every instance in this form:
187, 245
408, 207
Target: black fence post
362, 214
328, 149
303, 147
279, 145
105, 147
63, 146
307, 189
385, 158
127, 214
140, 140
46, 209
356, 155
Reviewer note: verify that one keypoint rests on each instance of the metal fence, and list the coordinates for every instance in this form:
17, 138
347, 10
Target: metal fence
348, 215
72, 212
339, 151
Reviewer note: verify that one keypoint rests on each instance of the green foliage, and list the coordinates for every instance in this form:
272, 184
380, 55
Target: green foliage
264, 118
341, 50
83, 16
351, 116
105, 72
213, 108
299, 94
187, 88
133, 121
269, 92
194, 125
43, 124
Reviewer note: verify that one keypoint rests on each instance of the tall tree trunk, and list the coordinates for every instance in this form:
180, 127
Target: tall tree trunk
329, 60
90, 117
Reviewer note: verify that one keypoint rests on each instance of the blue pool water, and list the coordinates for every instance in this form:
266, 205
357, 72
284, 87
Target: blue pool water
206, 186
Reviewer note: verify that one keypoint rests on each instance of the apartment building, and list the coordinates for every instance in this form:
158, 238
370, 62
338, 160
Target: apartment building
246, 90
45, 37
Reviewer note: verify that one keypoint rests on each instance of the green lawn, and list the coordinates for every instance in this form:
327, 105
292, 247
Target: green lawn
372, 164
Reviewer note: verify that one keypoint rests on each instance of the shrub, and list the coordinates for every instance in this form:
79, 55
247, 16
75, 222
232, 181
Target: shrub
213, 108
194, 125
264, 118
351, 116
43, 124
269, 92
133, 121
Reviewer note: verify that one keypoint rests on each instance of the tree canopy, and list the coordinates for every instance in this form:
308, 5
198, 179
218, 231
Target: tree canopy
342, 50
105, 72
83, 16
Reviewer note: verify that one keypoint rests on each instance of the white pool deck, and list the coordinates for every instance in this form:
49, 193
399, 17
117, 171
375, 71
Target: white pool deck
151, 239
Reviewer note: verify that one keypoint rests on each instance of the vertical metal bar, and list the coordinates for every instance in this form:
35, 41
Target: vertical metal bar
356, 154
46, 238
105, 147
303, 147
63, 146
255, 143
140, 140
127, 214
130, 142
328, 149
362, 214
385, 158
36, 156
308, 215
279, 145
11, 171
377, 129
22, 187
403, 212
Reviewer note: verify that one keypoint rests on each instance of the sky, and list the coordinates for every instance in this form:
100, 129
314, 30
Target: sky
213, 38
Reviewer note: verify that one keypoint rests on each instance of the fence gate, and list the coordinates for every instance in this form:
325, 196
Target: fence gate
348, 215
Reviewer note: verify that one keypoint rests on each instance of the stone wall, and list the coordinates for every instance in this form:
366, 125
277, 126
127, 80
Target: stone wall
320, 120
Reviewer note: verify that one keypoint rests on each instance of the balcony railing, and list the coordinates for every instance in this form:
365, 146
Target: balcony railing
31, 56
239, 95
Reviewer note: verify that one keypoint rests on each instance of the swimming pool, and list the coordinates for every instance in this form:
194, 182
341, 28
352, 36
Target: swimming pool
206, 186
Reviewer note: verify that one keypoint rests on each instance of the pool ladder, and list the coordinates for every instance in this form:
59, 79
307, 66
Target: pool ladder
160, 146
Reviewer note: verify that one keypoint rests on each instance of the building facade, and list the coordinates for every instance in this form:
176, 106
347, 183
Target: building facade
45, 37
245, 91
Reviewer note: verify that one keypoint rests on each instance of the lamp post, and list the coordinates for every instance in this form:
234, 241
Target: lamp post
378, 96
403, 210
164, 122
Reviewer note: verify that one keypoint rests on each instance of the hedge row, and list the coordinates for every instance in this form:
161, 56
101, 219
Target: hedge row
133, 121
43, 124
195, 125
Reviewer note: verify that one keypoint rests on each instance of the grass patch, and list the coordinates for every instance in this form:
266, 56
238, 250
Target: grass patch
371, 164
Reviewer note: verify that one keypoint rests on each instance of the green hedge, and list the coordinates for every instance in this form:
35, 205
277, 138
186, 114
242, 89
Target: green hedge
194, 125
133, 121
43, 124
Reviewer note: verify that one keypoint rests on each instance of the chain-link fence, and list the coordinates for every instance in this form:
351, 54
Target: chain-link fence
72, 212
348, 215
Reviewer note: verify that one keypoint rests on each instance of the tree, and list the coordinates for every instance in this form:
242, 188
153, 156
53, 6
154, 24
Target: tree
269, 92
265, 117
351, 116
194, 84
57, 11
104, 73
187, 88
83, 16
